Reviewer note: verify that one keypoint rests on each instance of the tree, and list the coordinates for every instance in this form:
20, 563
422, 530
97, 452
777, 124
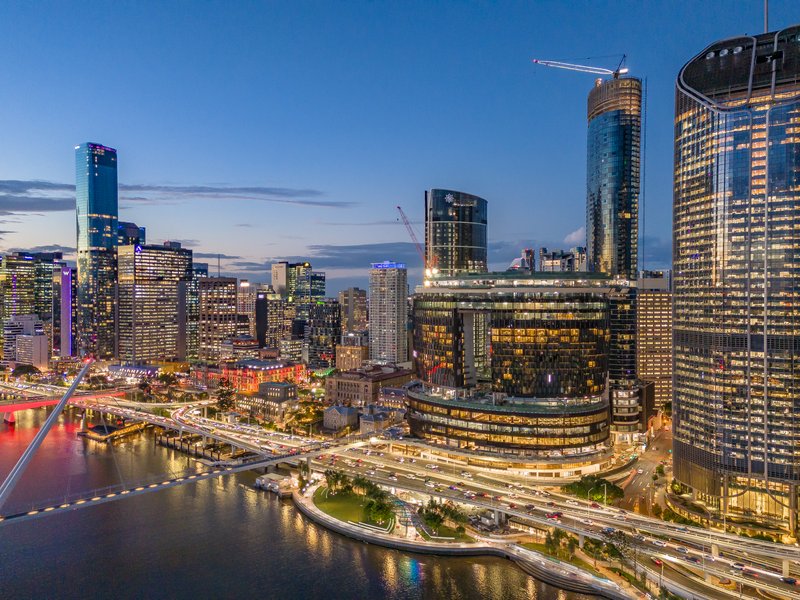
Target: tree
225, 394
25, 371
657, 511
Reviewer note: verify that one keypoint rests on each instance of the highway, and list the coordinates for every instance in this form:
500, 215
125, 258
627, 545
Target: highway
689, 554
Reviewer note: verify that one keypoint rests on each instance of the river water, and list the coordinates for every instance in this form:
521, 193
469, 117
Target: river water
213, 539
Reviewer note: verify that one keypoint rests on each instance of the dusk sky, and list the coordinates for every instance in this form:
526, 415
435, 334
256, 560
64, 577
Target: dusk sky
267, 131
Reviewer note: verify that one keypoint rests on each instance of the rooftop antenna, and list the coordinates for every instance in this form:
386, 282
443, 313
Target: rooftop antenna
766, 16
218, 258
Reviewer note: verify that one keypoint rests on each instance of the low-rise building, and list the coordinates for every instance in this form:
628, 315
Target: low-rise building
33, 350
272, 401
241, 347
374, 422
247, 375
336, 418
362, 386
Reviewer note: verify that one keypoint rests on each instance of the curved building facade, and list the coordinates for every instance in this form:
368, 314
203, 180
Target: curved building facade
548, 363
737, 277
614, 113
455, 232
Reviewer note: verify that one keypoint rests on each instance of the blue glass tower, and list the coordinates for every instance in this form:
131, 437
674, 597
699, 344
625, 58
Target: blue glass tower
612, 176
96, 204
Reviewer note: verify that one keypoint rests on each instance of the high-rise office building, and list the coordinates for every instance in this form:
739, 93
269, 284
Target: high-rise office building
97, 209
151, 322
654, 333
736, 278
310, 288
561, 261
285, 277
612, 176
26, 287
323, 329
22, 325
246, 307
64, 316
130, 234
455, 232
354, 309
388, 310
218, 315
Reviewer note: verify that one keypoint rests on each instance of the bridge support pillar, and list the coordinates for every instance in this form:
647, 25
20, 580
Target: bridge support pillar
785, 567
715, 550
581, 540
9, 418
793, 509
308, 466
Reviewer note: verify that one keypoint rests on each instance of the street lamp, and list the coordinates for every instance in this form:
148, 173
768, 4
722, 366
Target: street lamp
605, 494
589, 499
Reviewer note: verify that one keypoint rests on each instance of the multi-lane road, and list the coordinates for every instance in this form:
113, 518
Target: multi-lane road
688, 556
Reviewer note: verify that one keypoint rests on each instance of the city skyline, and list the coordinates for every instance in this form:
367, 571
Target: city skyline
326, 180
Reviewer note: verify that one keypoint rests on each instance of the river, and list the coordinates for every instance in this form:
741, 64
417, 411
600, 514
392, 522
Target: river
214, 539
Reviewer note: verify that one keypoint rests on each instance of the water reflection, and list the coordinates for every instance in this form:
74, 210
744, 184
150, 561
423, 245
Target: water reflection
214, 539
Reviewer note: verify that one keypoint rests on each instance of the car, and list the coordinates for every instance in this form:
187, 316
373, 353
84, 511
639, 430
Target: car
587, 522
573, 503
639, 537
594, 505
750, 573
551, 504
553, 515
789, 580
608, 530
657, 561
738, 566
411, 476
682, 549
640, 471
693, 559
430, 484
432, 467
724, 581
512, 505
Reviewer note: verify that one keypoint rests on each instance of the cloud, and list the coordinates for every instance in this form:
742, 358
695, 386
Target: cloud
577, 237
353, 256
67, 250
214, 255
28, 196
186, 242
244, 225
366, 223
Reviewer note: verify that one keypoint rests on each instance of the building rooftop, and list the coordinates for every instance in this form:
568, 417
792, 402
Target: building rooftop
261, 365
374, 373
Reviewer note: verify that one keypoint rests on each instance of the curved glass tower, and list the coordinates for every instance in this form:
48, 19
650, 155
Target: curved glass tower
612, 176
455, 232
736, 235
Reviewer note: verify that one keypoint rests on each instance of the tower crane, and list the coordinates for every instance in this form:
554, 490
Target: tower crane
620, 70
420, 249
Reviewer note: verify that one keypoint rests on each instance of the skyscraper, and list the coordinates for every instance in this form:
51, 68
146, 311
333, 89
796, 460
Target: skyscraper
736, 278
246, 307
64, 309
130, 234
455, 232
323, 330
654, 333
150, 321
97, 209
612, 176
218, 315
354, 309
388, 313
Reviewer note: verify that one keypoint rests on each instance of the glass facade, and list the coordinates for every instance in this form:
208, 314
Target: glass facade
612, 176
96, 204
217, 315
736, 236
455, 232
548, 361
322, 332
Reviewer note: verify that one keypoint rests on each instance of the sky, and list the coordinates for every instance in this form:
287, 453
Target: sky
264, 131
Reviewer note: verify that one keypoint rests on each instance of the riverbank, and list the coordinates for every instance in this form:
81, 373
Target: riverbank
535, 564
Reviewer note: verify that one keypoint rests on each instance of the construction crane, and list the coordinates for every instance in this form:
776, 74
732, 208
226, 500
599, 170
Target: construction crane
620, 70
420, 249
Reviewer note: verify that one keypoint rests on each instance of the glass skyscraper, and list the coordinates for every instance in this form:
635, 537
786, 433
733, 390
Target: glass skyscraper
736, 234
455, 232
612, 176
96, 205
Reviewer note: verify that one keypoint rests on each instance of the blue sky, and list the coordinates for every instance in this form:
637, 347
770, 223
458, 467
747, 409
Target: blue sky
278, 130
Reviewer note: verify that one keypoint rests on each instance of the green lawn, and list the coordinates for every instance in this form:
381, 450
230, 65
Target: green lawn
574, 560
344, 506
448, 532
